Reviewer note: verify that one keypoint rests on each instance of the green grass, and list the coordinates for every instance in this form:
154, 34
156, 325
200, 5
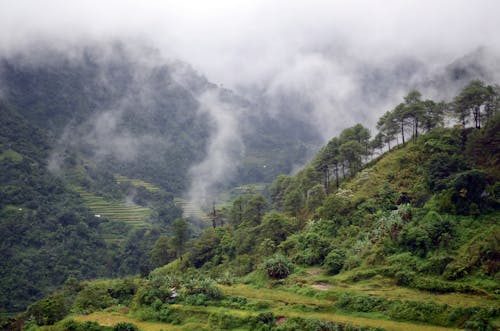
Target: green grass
11, 155
111, 319
275, 297
383, 287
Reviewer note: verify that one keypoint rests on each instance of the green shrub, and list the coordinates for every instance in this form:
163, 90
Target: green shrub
196, 300
72, 325
352, 261
206, 287
278, 267
225, 321
93, 297
242, 265
418, 311
415, 239
468, 188
48, 311
440, 167
123, 290
404, 277
125, 326
334, 261
155, 289
311, 324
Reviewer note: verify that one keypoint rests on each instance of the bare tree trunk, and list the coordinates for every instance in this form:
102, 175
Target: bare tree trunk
403, 132
337, 176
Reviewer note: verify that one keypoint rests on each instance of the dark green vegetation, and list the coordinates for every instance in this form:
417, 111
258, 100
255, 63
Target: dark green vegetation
93, 149
405, 241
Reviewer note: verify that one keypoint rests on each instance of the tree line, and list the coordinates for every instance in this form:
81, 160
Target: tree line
477, 102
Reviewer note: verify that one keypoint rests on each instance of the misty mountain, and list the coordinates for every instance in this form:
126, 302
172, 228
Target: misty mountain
332, 90
144, 116
140, 116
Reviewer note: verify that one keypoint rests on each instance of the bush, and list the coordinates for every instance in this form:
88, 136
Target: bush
415, 239
311, 324
205, 287
334, 261
124, 326
72, 325
468, 188
48, 311
419, 311
225, 321
440, 167
157, 288
278, 267
93, 297
404, 277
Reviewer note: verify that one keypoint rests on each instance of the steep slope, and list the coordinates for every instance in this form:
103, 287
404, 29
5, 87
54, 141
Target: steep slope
46, 232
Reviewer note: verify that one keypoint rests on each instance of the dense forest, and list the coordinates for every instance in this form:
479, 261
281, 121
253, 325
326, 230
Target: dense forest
397, 231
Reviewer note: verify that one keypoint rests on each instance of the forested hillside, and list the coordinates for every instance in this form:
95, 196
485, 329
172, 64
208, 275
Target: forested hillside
95, 147
120, 108
396, 232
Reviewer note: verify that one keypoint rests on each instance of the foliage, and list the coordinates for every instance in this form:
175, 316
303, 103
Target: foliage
278, 267
334, 261
93, 297
124, 326
468, 188
49, 310
180, 235
426, 312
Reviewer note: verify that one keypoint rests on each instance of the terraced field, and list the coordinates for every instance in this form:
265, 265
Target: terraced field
191, 210
281, 302
137, 183
308, 294
226, 197
116, 210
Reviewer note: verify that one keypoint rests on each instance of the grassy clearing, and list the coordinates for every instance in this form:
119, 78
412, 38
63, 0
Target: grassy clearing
111, 319
273, 296
11, 155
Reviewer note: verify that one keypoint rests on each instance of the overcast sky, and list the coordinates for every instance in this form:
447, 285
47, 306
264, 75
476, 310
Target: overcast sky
247, 41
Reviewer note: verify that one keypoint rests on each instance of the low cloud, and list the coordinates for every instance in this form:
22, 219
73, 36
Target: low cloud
224, 151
